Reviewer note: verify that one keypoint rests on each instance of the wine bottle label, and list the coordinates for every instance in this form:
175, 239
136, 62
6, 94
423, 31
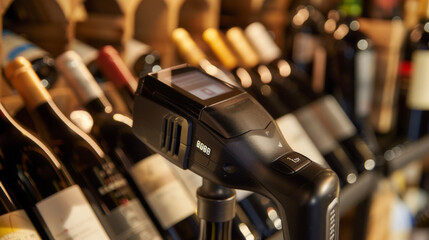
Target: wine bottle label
85, 51
14, 45
304, 45
418, 97
333, 117
165, 194
78, 77
298, 139
68, 215
321, 138
130, 221
17, 226
365, 77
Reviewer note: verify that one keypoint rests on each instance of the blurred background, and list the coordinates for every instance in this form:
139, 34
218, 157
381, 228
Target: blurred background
371, 55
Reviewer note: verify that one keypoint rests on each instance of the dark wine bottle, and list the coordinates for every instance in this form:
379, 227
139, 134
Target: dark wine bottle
417, 97
249, 80
305, 43
165, 194
29, 167
113, 200
15, 224
14, 45
324, 107
355, 60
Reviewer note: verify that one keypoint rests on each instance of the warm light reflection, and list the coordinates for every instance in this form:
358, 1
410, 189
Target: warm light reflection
284, 68
426, 27
330, 25
341, 32
274, 217
354, 25
363, 44
266, 90
77, 130
82, 119
244, 229
265, 74
351, 178
300, 17
244, 76
123, 118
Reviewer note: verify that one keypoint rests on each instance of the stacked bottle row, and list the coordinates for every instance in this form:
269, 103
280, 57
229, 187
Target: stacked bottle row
376, 88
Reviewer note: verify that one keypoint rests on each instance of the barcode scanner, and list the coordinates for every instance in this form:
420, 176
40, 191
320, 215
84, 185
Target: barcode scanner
221, 133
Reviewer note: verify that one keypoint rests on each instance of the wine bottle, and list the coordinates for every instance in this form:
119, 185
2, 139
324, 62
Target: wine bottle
29, 167
165, 194
14, 221
113, 200
89, 56
325, 108
304, 43
14, 45
249, 80
417, 97
355, 63
414, 12
116, 71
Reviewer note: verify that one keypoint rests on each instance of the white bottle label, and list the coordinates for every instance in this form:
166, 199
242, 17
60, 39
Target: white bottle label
334, 118
17, 226
365, 78
14, 45
418, 97
165, 194
130, 221
298, 139
323, 141
68, 215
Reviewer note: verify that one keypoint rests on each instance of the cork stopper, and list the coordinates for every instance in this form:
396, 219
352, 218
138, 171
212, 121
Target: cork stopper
21, 75
242, 47
214, 39
187, 47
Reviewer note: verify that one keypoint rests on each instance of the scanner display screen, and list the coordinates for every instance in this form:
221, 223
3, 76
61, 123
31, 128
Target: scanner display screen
198, 84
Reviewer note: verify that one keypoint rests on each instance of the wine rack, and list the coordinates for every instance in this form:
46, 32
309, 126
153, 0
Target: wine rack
68, 20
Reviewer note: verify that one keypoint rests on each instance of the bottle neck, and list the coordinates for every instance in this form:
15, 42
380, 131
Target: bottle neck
27, 83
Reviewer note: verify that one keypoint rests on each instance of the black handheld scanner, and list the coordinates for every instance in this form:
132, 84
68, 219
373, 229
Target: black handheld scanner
221, 133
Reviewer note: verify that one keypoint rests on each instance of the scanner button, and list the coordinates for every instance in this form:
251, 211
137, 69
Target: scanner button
291, 163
